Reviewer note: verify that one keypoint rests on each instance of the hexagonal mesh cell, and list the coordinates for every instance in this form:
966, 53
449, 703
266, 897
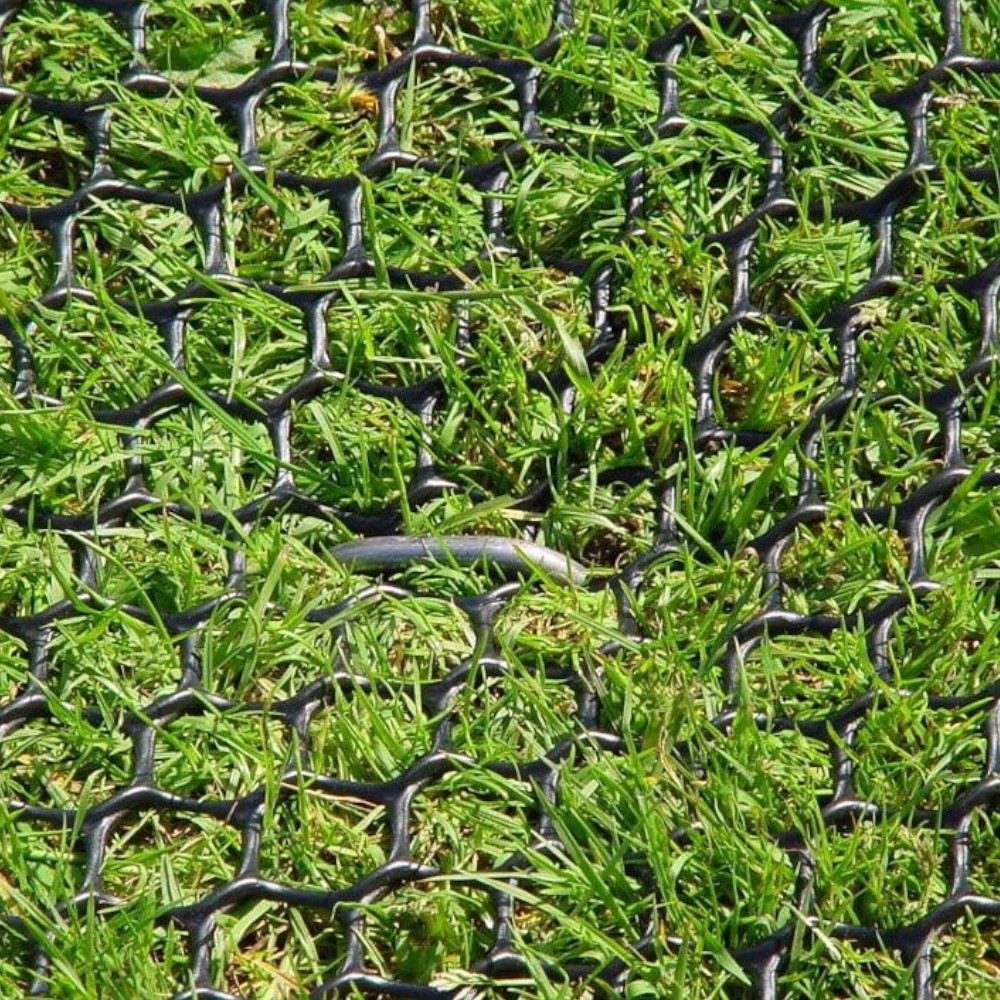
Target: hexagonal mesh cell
46, 155
171, 142
316, 127
63, 50
77, 351
209, 44
82, 762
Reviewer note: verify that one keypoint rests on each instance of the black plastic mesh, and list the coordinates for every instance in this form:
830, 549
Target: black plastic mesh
321, 371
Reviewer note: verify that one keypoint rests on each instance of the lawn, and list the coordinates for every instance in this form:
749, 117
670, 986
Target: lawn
668, 332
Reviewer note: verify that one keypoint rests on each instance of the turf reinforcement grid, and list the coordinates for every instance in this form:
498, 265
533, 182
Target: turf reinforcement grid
315, 368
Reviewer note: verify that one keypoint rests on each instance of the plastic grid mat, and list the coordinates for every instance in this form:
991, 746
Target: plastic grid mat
94, 823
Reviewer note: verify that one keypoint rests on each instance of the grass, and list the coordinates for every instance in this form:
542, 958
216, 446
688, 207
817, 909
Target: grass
473, 342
